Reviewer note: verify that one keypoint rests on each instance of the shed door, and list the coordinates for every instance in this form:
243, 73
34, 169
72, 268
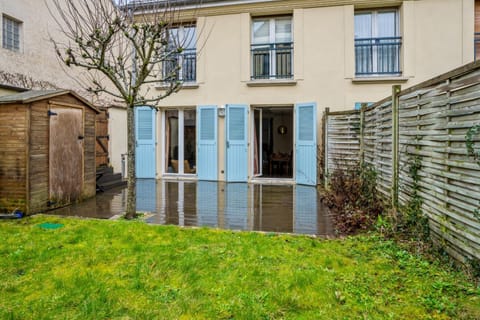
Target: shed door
237, 156
65, 154
306, 144
145, 142
207, 143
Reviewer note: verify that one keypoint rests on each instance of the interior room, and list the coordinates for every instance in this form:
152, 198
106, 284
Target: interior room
273, 145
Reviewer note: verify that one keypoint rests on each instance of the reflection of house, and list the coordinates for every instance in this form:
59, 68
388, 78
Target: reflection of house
266, 70
237, 206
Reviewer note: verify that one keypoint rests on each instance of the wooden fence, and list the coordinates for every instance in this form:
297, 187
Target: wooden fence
101, 132
426, 124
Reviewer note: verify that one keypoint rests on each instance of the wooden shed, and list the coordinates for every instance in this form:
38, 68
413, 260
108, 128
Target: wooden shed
47, 150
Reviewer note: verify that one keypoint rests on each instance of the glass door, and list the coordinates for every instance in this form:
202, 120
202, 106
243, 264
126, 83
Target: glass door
180, 141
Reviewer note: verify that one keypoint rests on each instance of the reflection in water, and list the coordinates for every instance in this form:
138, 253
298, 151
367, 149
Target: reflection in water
236, 206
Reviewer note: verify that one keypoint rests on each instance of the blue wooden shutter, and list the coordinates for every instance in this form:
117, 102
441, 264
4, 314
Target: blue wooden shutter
207, 143
237, 144
306, 144
145, 166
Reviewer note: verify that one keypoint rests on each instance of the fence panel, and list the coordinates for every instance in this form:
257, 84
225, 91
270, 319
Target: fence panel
434, 118
343, 143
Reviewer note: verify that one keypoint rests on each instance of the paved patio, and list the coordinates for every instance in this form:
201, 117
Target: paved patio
235, 206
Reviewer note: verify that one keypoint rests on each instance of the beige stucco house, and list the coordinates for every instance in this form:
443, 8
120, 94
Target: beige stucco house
258, 75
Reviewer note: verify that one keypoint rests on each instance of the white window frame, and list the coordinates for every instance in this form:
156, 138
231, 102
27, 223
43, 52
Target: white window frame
374, 15
271, 40
15, 36
181, 143
181, 34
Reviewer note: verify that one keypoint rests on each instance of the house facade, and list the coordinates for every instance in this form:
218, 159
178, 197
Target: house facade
258, 75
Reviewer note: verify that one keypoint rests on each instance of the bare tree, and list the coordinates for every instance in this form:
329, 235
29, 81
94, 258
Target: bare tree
126, 46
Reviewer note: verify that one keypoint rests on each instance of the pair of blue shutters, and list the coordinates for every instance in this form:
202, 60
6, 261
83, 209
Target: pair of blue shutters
146, 142
236, 169
305, 144
236, 143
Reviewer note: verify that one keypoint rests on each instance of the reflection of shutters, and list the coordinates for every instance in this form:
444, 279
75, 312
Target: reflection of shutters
306, 144
145, 138
207, 143
237, 160
305, 210
146, 195
236, 206
207, 204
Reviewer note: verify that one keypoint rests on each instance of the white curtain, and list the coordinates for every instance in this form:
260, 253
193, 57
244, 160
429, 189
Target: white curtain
386, 24
283, 30
261, 32
363, 25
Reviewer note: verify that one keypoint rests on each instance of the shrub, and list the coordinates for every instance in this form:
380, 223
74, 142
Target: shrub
353, 198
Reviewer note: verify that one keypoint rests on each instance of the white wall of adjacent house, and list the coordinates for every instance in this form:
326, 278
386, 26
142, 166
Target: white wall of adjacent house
36, 57
117, 128
37, 60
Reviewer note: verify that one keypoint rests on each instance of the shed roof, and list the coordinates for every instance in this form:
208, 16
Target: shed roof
14, 88
36, 95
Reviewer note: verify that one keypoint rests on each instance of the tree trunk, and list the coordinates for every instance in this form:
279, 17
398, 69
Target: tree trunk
131, 177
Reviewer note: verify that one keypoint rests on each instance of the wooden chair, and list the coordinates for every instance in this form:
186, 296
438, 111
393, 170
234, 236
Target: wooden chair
186, 166
174, 165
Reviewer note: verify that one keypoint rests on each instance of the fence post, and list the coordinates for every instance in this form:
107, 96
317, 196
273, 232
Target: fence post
325, 147
395, 143
362, 134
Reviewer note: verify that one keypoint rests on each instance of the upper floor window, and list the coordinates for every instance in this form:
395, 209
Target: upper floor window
377, 43
11, 33
272, 48
181, 62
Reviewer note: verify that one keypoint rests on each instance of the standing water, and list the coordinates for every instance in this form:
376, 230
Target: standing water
235, 206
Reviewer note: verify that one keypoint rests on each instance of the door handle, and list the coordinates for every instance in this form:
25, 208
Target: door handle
228, 144
80, 137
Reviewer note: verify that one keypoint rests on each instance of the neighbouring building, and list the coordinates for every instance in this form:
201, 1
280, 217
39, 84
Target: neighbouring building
47, 147
28, 61
258, 76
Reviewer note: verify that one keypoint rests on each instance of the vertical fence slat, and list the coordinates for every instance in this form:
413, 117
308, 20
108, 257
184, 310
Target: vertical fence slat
395, 144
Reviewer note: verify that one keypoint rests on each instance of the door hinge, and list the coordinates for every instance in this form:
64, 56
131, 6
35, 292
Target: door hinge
51, 113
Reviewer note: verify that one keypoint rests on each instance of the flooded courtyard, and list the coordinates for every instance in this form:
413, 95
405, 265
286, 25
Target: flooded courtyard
234, 206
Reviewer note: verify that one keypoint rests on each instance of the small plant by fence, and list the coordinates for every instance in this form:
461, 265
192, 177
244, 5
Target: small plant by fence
429, 128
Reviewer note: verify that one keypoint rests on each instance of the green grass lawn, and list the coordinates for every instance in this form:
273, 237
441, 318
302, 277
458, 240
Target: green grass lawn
94, 269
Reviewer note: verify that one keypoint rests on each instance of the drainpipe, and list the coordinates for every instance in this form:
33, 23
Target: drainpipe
124, 155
